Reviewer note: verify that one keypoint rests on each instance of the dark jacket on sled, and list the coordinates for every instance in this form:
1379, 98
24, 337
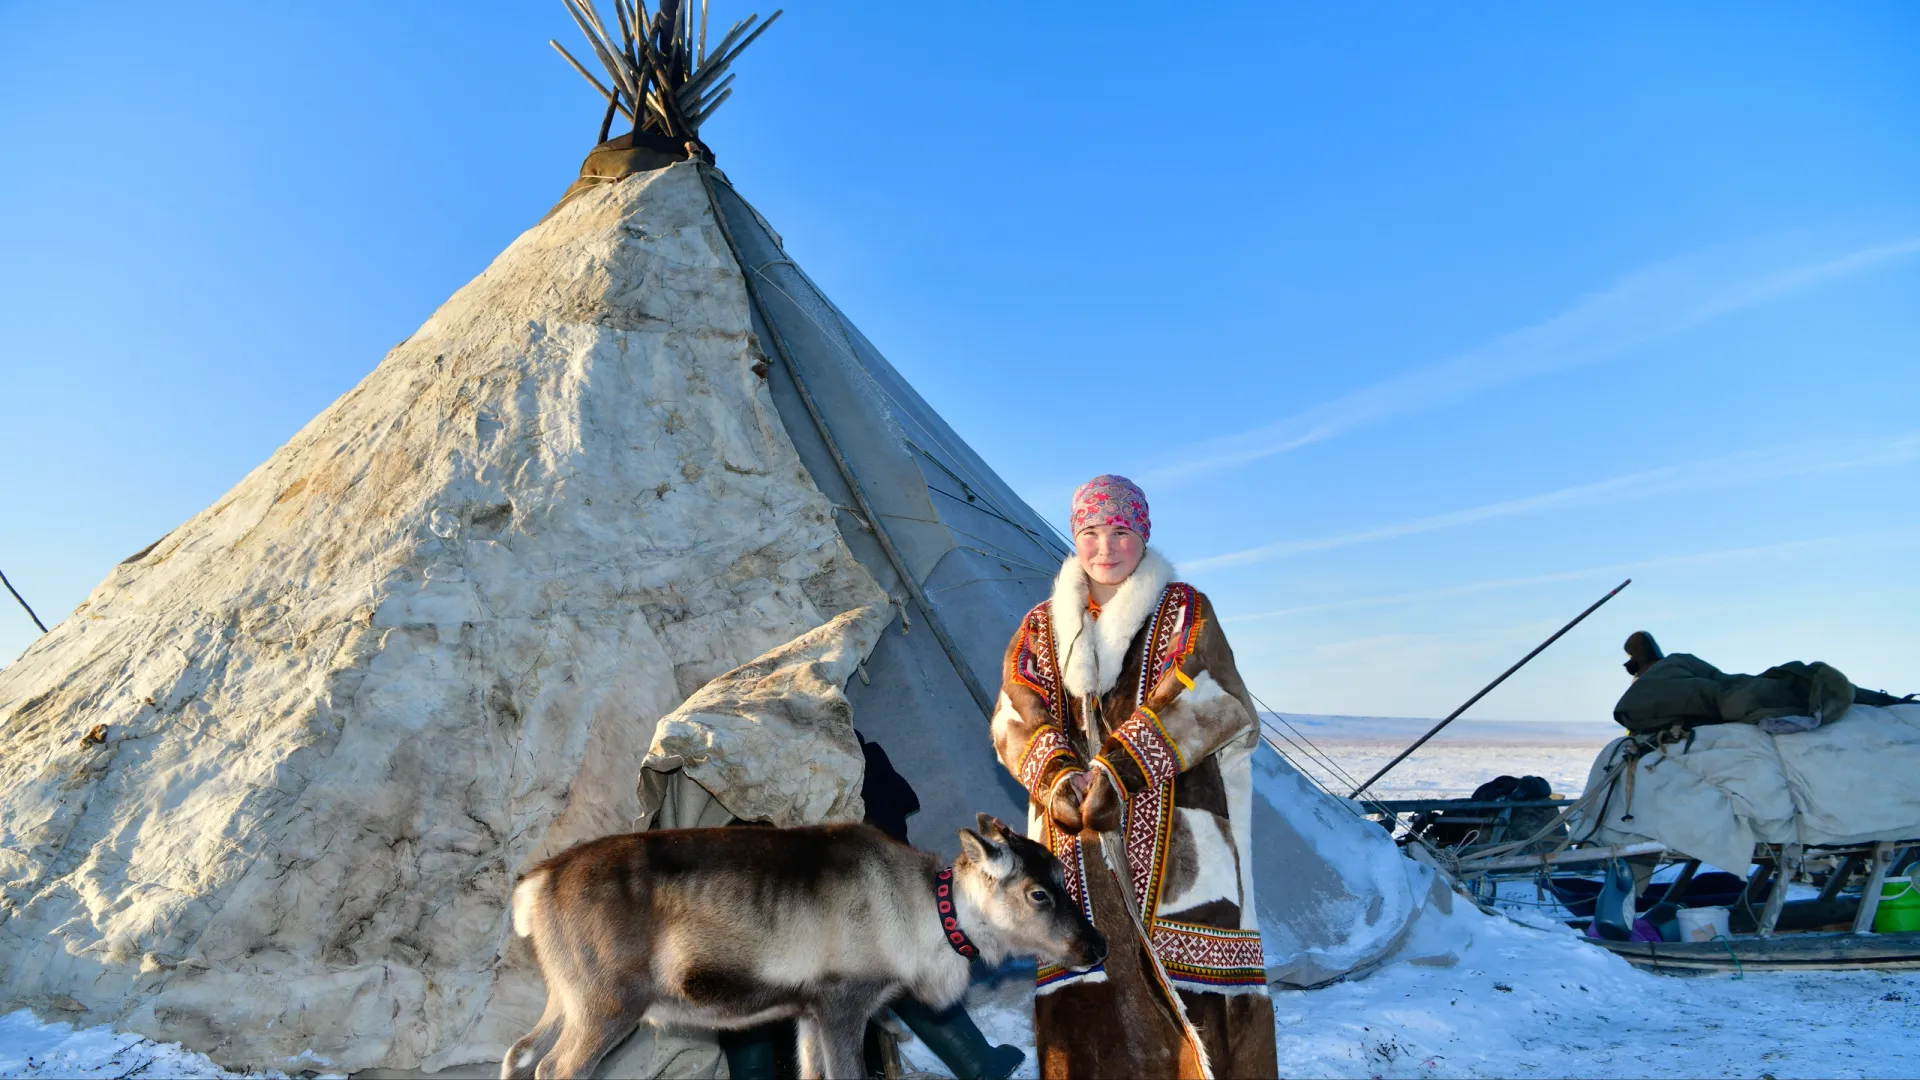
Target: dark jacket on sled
1687, 691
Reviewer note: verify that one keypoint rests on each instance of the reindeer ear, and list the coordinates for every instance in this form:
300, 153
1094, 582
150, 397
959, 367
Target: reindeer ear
973, 848
989, 855
991, 826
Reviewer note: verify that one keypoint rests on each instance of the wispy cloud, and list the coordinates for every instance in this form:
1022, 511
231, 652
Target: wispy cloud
1792, 459
1649, 305
1701, 558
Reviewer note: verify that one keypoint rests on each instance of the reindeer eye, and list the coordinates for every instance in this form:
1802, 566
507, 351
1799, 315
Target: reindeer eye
1040, 896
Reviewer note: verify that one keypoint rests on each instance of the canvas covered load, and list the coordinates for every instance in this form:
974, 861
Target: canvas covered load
1715, 792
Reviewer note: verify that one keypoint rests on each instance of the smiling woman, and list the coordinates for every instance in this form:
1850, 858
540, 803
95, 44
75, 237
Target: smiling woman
1123, 717
1110, 528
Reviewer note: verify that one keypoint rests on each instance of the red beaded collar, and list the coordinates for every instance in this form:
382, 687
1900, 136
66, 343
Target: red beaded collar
949, 924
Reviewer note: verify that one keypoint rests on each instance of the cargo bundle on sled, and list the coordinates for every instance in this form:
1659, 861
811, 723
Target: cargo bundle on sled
1743, 822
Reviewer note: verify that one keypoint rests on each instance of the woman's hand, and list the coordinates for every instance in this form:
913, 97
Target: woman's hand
1064, 807
1100, 805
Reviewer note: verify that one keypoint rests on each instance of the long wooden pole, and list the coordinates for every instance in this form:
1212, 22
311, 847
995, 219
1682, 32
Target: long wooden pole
612, 101
1562, 858
1487, 689
23, 603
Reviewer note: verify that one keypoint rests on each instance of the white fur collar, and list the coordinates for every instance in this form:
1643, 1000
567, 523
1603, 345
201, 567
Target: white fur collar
1090, 661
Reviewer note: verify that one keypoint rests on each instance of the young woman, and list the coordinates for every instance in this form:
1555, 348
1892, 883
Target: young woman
1122, 715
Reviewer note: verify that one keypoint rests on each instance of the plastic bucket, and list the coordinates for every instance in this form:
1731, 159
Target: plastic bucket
1899, 908
1703, 923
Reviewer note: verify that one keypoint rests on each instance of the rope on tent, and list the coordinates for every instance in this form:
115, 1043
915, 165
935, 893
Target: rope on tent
1305, 746
956, 530
880, 534
982, 581
903, 415
23, 603
992, 513
840, 334
991, 506
1274, 737
1299, 739
1001, 556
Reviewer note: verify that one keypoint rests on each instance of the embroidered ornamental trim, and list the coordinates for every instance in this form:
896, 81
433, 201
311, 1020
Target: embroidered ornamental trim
1146, 739
1149, 833
1172, 636
1052, 976
1209, 955
1034, 664
1046, 745
1073, 866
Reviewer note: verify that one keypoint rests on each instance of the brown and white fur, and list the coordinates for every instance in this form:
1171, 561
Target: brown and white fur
732, 927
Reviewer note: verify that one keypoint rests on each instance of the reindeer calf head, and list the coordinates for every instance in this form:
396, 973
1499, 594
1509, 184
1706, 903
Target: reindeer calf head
1017, 893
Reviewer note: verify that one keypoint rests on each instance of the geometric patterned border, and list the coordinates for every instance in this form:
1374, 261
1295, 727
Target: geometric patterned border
1047, 744
1034, 664
1209, 955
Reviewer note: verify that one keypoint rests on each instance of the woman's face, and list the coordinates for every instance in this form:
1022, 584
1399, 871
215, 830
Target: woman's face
1108, 553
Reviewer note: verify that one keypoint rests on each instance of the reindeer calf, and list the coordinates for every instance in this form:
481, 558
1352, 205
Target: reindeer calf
729, 928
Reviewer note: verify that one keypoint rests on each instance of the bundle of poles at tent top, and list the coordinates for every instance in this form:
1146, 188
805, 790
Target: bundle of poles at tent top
664, 79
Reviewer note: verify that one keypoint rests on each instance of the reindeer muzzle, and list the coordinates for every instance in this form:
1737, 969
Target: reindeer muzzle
1088, 948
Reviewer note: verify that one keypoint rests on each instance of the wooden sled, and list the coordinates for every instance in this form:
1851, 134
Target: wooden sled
1787, 952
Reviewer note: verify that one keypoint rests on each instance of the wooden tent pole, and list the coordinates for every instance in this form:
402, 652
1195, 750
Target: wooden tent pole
912, 584
1562, 858
23, 603
1487, 689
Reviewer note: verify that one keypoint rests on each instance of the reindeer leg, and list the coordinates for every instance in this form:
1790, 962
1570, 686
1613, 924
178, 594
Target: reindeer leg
842, 1039
592, 1029
523, 1055
812, 1063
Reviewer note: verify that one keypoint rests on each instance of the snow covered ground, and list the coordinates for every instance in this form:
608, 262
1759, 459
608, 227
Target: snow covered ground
1524, 1001
1519, 1000
1534, 1000
1537, 1002
30, 1048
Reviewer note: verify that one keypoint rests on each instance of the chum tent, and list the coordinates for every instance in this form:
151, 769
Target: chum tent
635, 529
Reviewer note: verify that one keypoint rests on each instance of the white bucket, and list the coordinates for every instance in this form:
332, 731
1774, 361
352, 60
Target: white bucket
1704, 923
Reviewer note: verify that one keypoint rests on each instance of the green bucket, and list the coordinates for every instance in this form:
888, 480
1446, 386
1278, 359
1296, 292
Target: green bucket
1899, 908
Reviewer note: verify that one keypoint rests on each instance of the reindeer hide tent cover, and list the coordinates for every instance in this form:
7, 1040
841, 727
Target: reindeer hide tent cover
636, 502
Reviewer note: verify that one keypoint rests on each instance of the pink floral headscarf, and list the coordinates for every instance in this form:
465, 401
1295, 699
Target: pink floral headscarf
1111, 500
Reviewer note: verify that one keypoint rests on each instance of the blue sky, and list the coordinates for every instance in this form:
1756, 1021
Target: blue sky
1422, 325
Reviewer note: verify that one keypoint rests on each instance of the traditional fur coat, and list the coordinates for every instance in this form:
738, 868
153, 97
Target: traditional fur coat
1144, 697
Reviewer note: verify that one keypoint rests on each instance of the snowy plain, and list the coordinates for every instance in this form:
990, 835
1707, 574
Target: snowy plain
1520, 1000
